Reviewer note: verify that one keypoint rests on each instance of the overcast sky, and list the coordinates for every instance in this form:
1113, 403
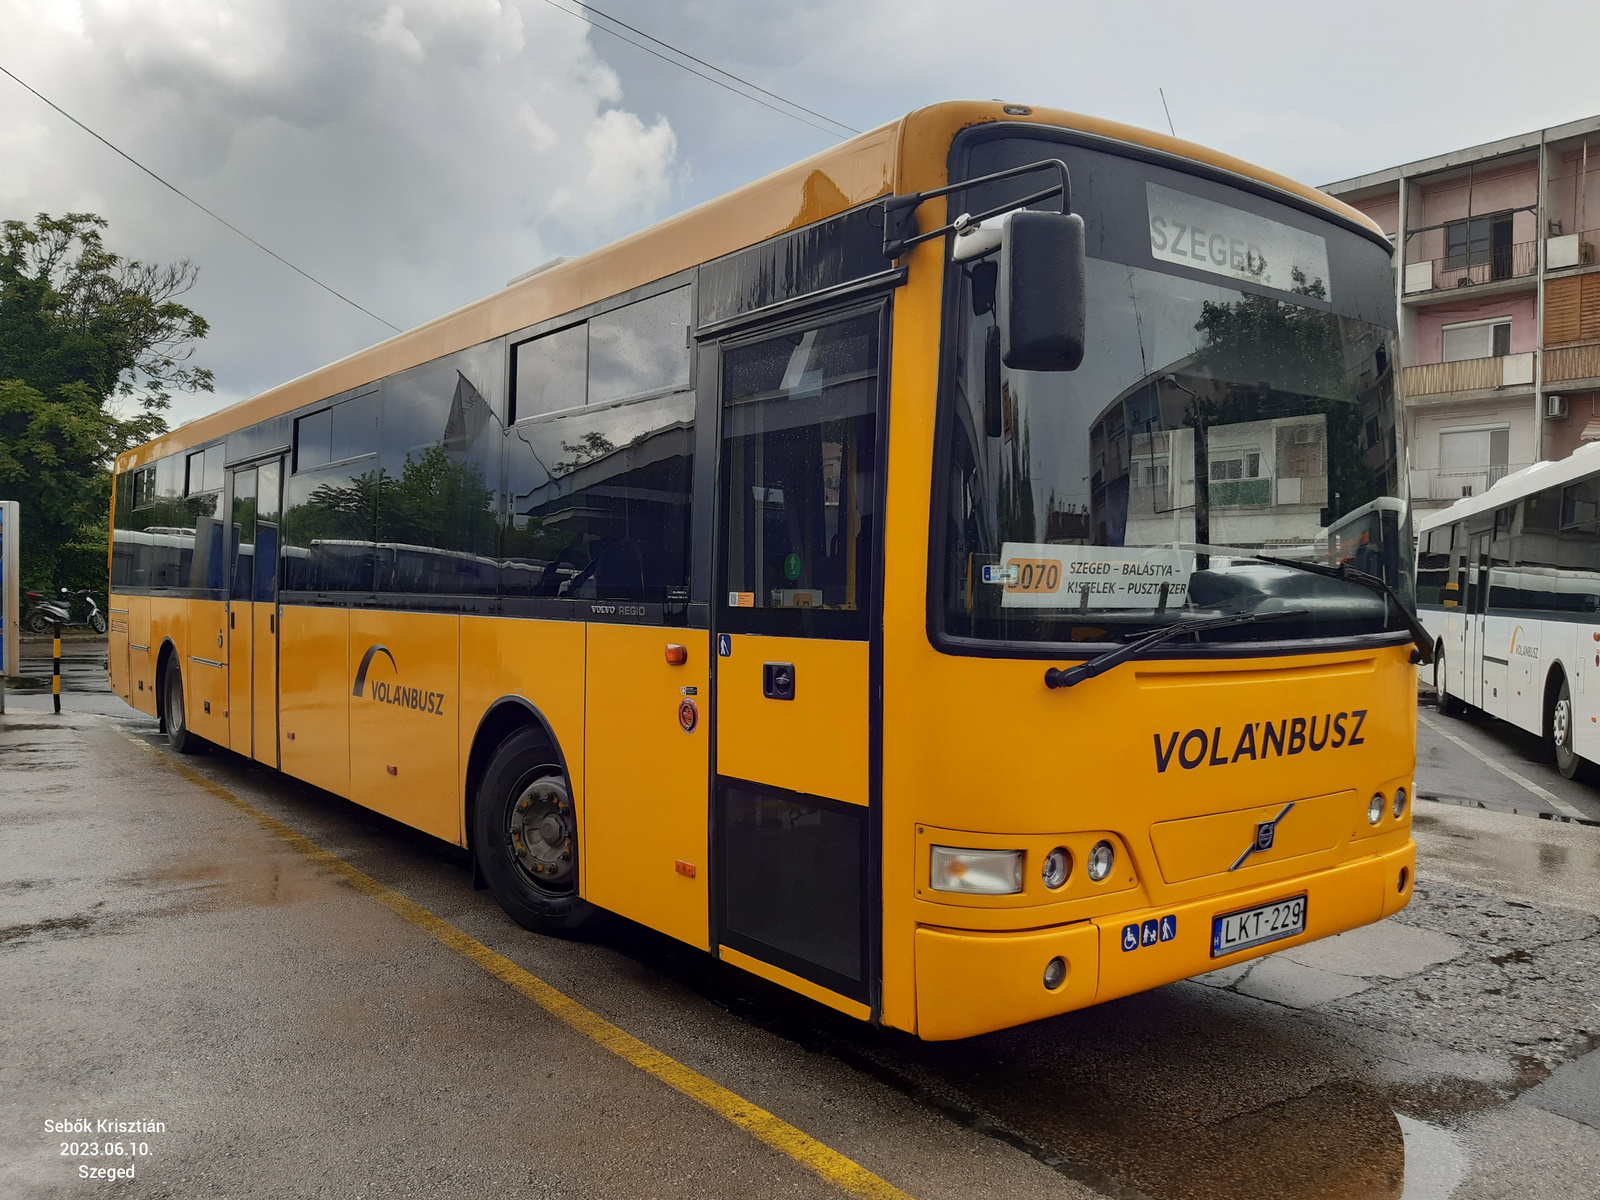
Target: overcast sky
416, 154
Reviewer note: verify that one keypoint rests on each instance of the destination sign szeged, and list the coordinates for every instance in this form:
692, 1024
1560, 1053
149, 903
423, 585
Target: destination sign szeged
1208, 236
1038, 575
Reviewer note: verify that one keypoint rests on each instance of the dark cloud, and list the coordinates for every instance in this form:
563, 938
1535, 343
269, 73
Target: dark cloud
418, 153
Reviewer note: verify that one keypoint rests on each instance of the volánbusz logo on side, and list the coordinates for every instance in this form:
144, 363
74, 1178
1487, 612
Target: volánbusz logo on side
1260, 739
384, 692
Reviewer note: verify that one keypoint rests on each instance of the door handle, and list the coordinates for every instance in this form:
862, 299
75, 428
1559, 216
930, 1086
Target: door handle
777, 680
272, 623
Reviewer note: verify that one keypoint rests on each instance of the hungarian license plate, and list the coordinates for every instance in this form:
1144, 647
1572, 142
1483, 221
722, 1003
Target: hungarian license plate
1253, 926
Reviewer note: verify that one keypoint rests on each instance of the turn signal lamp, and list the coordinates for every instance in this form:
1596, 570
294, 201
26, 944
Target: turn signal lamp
976, 872
1375, 809
677, 655
1101, 859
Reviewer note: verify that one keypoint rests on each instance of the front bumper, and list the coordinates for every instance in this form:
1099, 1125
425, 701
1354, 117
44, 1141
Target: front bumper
970, 983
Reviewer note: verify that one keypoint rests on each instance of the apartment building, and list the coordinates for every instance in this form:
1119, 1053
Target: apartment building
1498, 280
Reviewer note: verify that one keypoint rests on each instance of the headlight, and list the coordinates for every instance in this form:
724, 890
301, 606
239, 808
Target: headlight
977, 872
1057, 866
1101, 859
1399, 803
1375, 809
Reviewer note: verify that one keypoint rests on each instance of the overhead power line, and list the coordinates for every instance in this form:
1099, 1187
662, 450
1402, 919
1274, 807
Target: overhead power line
722, 83
179, 191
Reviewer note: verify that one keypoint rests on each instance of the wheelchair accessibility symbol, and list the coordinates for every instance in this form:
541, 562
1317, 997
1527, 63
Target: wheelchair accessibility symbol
1130, 937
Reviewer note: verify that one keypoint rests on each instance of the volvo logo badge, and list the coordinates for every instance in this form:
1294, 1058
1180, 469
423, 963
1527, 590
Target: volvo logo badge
1266, 834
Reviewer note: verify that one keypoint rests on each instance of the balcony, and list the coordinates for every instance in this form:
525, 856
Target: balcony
1468, 270
1468, 375
1565, 363
1449, 484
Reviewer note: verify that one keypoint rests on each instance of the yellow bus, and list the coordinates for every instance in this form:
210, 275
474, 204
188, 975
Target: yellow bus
821, 576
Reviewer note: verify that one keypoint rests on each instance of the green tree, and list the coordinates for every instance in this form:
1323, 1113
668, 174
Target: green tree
92, 346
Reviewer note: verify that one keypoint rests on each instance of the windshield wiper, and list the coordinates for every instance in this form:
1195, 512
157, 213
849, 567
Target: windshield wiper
1057, 677
1420, 637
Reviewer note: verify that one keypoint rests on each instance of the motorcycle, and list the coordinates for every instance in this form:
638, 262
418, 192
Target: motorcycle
46, 614
51, 612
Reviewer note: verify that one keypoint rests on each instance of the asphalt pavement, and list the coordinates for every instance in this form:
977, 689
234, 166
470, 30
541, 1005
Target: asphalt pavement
165, 957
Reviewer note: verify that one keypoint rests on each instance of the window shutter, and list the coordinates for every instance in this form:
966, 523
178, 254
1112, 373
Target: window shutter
1589, 316
1562, 307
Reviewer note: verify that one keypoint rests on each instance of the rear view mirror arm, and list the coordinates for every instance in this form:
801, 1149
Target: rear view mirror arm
899, 212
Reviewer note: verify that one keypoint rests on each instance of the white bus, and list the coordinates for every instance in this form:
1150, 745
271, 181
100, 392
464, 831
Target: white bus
1508, 583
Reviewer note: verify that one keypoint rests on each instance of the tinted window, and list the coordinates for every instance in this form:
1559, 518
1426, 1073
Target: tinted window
268, 505
439, 468
600, 503
243, 535
329, 528
798, 495
640, 348
354, 428
312, 440
204, 470
551, 372
1558, 561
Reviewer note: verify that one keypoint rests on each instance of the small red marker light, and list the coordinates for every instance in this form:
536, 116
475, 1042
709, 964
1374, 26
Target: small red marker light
683, 868
393, 770
677, 655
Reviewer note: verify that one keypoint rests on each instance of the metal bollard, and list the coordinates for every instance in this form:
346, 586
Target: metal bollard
55, 676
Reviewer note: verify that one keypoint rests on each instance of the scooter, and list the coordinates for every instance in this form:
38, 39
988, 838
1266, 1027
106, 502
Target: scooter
93, 618
47, 612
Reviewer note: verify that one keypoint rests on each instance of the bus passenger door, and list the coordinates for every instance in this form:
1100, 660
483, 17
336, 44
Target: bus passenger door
1477, 610
792, 603
241, 610
264, 613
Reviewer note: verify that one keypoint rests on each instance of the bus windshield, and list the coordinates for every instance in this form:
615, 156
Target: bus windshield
1231, 340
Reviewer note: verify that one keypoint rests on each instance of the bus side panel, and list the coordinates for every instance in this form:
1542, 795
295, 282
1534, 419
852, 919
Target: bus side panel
646, 852
1496, 664
403, 684
314, 696
540, 661
141, 655
205, 670
117, 647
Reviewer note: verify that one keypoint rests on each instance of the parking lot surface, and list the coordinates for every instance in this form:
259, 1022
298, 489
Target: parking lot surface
165, 956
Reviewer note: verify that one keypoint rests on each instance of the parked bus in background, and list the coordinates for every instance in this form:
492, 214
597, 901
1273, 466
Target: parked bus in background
916, 578
1508, 583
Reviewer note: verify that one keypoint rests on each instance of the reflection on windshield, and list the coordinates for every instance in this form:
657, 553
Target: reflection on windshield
1073, 507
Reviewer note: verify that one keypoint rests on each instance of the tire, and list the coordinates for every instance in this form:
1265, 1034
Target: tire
179, 735
1448, 705
97, 622
525, 839
1558, 731
38, 622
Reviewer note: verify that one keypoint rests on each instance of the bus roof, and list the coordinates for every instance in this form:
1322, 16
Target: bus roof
905, 154
1585, 460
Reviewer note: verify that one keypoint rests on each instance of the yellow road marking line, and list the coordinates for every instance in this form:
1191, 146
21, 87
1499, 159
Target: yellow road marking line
832, 1166
1549, 798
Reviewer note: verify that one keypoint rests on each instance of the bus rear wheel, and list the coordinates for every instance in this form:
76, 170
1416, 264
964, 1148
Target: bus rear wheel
1448, 705
1559, 732
179, 736
525, 839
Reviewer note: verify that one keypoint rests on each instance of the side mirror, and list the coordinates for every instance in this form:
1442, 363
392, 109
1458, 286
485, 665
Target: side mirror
1040, 302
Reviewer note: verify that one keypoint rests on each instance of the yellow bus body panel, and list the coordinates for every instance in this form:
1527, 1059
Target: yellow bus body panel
965, 979
241, 676
815, 743
539, 662
141, 653
403, 730
645, 809
314, 696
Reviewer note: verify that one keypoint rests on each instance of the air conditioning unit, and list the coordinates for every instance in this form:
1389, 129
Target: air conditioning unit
1555, 407
1586, 254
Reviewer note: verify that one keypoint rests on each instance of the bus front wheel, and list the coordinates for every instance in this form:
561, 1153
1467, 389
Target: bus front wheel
1559, 732
179, 736
525, 838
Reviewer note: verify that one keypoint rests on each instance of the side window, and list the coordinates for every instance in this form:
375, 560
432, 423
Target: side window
203, 471
326, 543
600, 504
640, 348
799, 443
1433, 566
551, 373
243, 535
312, 440
439, 473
